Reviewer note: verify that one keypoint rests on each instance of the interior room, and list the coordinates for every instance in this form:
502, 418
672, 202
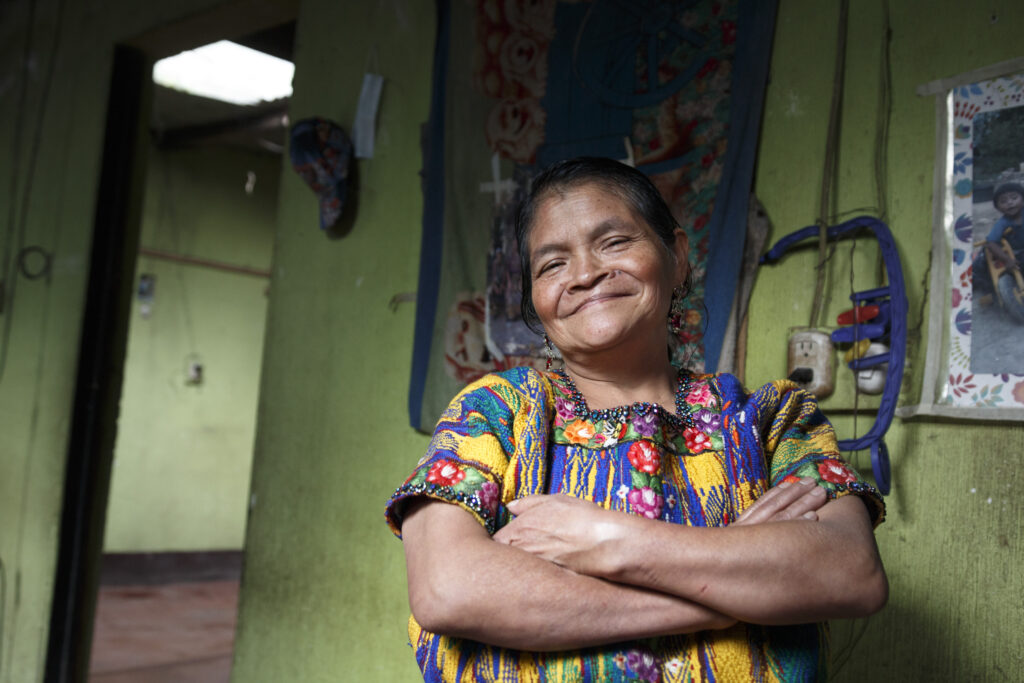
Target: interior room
159, 409
175, 520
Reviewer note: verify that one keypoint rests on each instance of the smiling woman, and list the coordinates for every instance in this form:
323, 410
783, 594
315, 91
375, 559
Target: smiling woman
622, 519
600, 274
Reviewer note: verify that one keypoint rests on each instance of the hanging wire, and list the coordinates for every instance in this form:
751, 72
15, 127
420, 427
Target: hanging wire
882, 121
828, 175
6, 282
856, 340
168, 223
19, 126
18, 222
860, 626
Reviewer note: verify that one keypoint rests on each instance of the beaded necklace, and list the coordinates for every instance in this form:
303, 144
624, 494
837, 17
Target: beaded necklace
677, 421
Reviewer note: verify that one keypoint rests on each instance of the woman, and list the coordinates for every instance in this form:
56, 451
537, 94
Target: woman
535, 527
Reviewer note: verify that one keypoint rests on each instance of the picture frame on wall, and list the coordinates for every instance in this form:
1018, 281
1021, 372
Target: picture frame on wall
974, 366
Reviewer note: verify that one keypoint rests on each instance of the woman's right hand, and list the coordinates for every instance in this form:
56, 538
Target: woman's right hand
787, 501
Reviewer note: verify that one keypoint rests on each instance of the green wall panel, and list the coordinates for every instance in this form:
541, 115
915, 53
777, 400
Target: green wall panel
323, 590
184, 452
55, 66
323, 594
952, 542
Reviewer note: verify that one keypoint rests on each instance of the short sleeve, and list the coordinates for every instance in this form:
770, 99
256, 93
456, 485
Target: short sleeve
800, 442
996, 233
468, 456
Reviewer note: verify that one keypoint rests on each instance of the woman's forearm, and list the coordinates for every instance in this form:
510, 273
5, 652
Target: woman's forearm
775, 573
462, 583
818, 565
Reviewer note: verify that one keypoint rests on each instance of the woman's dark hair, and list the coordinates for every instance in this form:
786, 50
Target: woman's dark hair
1006, 188
629, 184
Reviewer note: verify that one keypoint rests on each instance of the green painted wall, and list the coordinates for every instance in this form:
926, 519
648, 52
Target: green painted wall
55, 65
184, 451
324, 591
954, 537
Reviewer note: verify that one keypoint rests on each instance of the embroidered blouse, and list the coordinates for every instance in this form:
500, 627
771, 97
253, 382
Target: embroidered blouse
515, 433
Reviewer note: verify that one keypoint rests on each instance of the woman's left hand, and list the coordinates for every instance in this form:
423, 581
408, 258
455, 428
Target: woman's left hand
787, 501
562, 529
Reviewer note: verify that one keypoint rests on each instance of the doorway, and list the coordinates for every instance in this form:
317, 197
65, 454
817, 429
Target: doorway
188, 304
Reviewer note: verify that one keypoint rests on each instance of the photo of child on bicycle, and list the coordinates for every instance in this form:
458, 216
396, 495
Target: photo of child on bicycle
997, 339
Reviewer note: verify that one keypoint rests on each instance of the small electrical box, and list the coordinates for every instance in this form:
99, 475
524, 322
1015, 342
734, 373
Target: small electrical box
810, 361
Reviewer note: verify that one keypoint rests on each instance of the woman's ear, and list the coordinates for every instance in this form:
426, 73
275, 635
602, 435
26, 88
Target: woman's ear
681, 251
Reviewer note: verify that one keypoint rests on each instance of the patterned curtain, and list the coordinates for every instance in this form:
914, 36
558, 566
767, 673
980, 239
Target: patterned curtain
674, 88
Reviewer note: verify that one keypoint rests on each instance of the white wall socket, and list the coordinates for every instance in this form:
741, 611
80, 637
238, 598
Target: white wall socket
811, 361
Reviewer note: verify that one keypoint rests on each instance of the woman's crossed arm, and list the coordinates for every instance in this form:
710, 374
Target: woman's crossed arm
569, 574
773, 566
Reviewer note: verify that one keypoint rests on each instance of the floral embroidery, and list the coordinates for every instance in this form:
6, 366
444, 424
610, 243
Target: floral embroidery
696, 440
643, 665
612, 433
646, 425
646, 502
604, 434
654, 478
701, 395
643, 456
489, 496
564, 410
674, 666
707, 421
833, 475
580, 432
837, 472
445, 473
456, 482
646, 496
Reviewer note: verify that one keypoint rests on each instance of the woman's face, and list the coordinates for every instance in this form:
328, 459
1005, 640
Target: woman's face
601, 277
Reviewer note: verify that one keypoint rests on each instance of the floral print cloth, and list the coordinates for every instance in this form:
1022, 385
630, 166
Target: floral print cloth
513, 434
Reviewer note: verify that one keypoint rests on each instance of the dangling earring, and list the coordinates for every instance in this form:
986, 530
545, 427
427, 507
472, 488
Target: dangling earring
549, 351
675, 315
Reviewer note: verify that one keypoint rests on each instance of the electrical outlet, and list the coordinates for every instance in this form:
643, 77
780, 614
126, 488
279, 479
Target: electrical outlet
872, 380
810, 361
194, 373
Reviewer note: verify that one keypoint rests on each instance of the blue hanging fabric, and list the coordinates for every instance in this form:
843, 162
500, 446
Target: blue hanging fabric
532, 83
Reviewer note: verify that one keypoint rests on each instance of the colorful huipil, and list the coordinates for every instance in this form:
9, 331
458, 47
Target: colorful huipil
516, 433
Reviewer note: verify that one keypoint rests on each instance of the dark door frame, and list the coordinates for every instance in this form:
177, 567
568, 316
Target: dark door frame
100, 369
104, 338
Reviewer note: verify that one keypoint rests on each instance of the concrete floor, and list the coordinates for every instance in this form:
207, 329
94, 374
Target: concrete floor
166, 633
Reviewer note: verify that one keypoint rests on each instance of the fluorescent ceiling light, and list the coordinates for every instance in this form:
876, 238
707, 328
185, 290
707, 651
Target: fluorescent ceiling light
228, 72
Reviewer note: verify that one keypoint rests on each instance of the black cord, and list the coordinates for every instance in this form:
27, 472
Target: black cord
828, 175
884, 114
19, 125
6, 284
25, 265
19, 225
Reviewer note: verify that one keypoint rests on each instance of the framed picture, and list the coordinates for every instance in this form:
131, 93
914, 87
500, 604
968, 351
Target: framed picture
975, 358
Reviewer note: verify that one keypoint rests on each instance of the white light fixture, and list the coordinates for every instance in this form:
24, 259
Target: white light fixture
228, 72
